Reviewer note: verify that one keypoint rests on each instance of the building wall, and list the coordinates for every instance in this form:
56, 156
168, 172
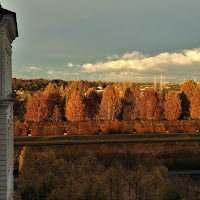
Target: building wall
8, 33
6, 151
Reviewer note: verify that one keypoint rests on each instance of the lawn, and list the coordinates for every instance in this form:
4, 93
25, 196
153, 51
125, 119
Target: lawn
105, 138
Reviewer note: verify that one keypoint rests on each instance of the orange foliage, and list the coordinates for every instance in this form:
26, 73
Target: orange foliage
185, 104
88, 128
52, 98
36, 109
112, 127
195, 104
75, 107
152, 105
20, 128
172, 105
131, 103
92, 102
110, 107
188, 88
56, 114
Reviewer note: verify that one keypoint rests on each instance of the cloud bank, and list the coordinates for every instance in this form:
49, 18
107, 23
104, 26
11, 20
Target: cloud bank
136, 61
135, 66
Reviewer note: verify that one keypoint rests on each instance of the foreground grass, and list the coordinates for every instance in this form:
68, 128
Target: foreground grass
107, 138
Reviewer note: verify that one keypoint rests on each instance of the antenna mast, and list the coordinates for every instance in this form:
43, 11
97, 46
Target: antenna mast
161, 82
164, 82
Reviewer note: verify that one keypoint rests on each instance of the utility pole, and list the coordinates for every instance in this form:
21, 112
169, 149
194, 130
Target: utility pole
161, 82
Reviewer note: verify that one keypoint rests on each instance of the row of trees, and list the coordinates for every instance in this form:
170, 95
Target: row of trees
45, 175
76, 104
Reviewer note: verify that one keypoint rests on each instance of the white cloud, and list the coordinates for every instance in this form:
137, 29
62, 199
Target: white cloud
50, 72
34, 68
113, 57
53, 72
138, 62
135, 55
70, 64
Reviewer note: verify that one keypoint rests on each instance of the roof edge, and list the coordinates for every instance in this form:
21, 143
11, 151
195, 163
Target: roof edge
5, 11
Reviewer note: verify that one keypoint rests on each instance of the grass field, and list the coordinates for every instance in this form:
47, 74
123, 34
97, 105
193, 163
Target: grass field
105, 139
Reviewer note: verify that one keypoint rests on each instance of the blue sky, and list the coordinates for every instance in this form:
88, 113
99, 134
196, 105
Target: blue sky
109, 40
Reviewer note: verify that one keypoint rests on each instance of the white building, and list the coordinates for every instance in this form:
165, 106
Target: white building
8, 32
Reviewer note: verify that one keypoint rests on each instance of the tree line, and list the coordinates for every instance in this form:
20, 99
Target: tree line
80, 103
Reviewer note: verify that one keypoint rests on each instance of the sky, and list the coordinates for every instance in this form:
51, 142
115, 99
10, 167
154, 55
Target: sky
107, 40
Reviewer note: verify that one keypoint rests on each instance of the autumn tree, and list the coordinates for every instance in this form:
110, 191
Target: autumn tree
122, 87
92, 102
185, 105
159, 112
195, 104
62, 91
131, 103
110, 107
75, 107
188, 88
76, 85
20, 128
21, 157
52, 98
19, 108
172, 105
152, 105
56, 114
36, 109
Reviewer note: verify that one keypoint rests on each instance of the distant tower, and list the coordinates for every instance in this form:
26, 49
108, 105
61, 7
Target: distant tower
161, 82
155, 82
